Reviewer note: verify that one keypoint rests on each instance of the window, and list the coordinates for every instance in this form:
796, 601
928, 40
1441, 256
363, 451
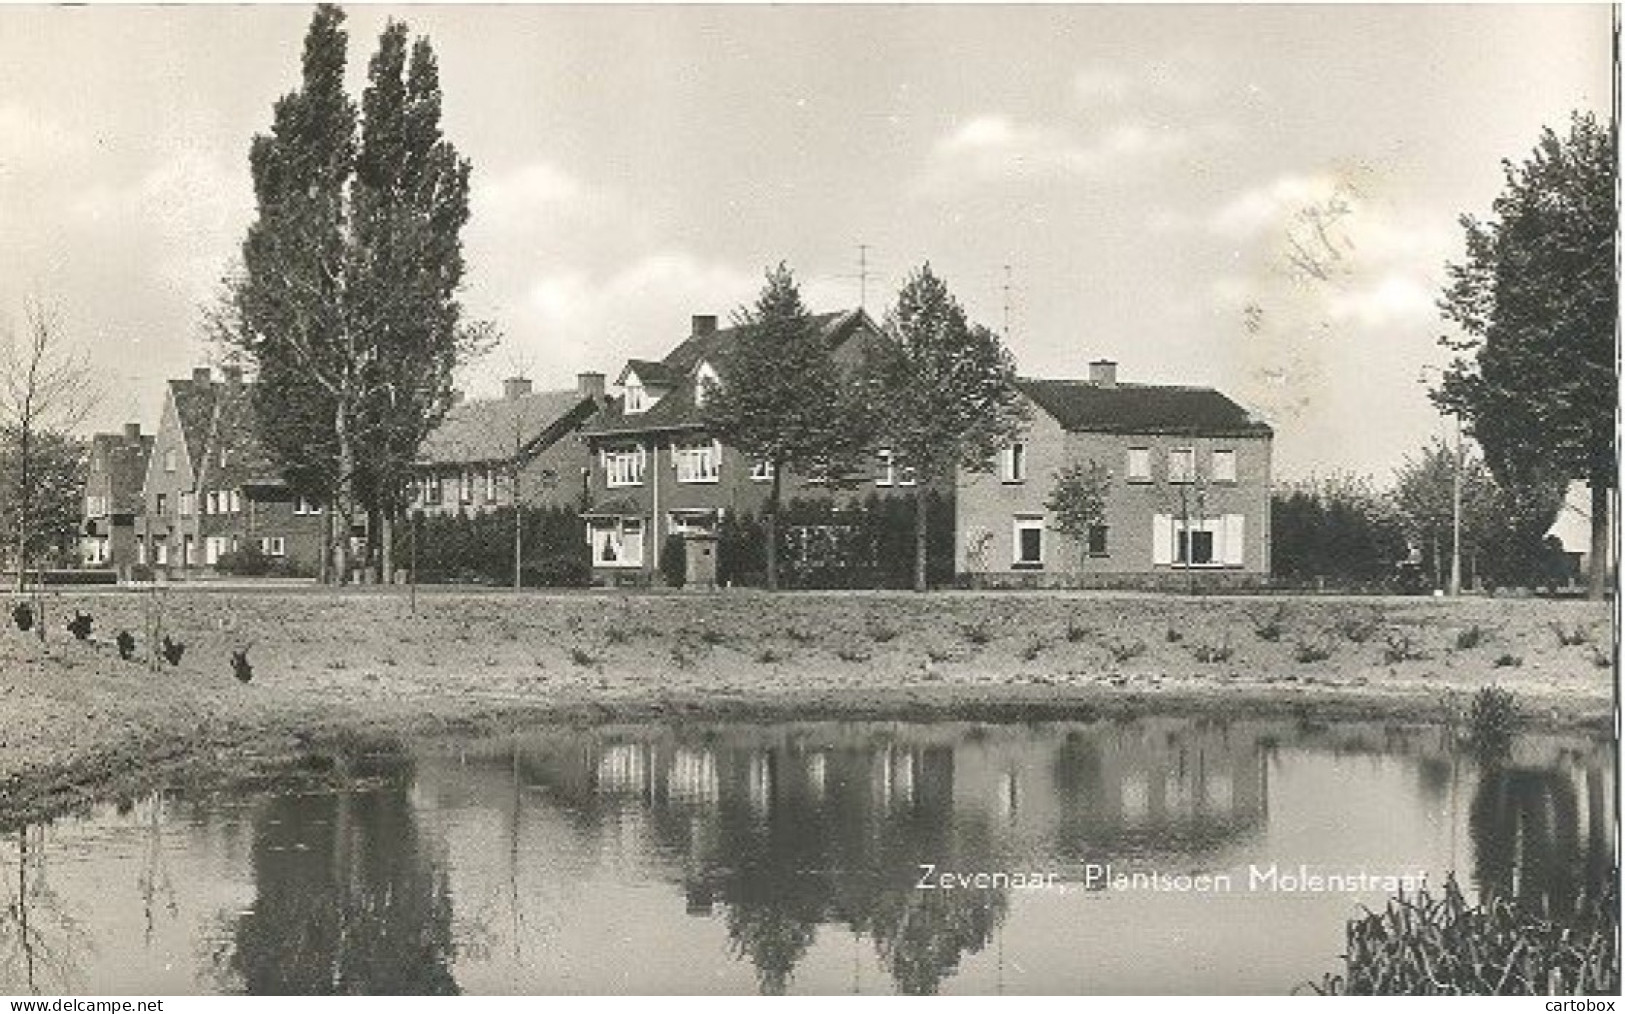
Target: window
236, 501
214, 547
1181, 464
1013, 463
161, 504
1029, 539
637, 399
705, 381
617, 542
211, 502
890, 475
305, 506
433, 489
465, 488
692, 522
1097, 540
160, 553
699, 462
624, 466
274, 545
171, 460
1224, 466
490, 485
141, 552
761, 471
1139, 464
188, 504
1195, 547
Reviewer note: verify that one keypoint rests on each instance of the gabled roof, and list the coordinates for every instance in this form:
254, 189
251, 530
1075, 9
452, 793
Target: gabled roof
124, 461
1082, 406
489, 429
650, 372
216, 415
677, 411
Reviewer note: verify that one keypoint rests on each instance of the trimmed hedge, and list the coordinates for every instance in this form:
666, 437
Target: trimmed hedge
822, 544
478, 548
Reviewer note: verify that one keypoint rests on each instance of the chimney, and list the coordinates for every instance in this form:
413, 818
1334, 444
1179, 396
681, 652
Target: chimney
1103, 373
704, 324
515, 387
132, 431
590, 385
232, 373
201, 375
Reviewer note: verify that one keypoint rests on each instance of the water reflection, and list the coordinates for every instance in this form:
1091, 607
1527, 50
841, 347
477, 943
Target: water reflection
695, 858
348, 901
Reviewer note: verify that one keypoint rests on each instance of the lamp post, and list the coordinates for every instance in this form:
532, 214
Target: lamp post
1455, 516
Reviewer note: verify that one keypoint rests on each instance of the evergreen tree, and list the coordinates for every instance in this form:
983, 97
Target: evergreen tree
1536, 380
940, 395
781, 399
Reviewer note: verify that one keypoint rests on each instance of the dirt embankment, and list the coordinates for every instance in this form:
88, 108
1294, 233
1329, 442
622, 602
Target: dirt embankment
337, 667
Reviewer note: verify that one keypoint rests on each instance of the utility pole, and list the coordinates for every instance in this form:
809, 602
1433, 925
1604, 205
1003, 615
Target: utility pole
1006, 289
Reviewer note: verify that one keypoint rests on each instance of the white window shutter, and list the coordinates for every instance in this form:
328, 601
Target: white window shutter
1234, 544
1162, 539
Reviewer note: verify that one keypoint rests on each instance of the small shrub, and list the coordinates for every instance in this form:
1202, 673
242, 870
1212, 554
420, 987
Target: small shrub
1076, 633
1507, 660
584, 658
939, 655
1271, 627
1492, 721
1357, 629
1472, 637
1123, 651
1315, 650
1601, 657
1210, 653
976, 633
1401, 648
1571, 637
682, 655
1173, 636
881, 633
850, 654
800, 636
615, 634
1033, 648
713, 638
767, 656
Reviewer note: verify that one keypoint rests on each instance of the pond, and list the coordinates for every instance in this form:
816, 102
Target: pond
1147, 856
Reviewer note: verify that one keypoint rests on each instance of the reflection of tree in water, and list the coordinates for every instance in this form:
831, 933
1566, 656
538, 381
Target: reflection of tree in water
1529, 844
39, 940
348, 901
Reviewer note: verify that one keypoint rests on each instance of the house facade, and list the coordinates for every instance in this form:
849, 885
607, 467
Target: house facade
472, 460
112, 502
656, 471
211, 492
1186, 474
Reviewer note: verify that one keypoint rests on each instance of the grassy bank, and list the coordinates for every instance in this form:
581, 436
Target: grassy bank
329, 667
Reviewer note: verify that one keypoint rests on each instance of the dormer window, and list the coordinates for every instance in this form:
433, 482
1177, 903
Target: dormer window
637, 399
705, 381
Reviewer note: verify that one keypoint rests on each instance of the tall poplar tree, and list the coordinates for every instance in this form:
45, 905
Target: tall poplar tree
347, 303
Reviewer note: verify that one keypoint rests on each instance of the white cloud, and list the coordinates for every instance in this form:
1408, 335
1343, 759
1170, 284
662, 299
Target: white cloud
997, 149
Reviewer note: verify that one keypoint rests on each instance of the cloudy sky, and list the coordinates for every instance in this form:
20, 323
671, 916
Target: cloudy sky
1258, 199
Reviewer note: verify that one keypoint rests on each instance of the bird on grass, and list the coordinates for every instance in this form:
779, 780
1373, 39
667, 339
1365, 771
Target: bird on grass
80, 625
173, 650
241, 667
126, 645
22, 614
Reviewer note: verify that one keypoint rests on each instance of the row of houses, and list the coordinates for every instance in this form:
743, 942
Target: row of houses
1188, 497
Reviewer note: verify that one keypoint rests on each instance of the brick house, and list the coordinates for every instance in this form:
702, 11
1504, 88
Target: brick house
655, 470
467, 464
1187, 500
112, 502
211, 490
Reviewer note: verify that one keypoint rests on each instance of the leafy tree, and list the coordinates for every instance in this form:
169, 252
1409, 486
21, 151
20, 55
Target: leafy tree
1078, 500
1535, 378
46, 390
1338, 529
346, 305
940, 395
782, 399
